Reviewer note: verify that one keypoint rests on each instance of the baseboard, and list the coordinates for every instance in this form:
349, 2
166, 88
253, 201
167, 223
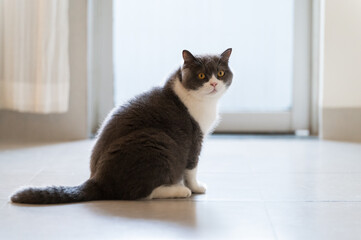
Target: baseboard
341, 124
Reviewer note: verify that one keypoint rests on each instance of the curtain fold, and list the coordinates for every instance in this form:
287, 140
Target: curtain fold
34, 61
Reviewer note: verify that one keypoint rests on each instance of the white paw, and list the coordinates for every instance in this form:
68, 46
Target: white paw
184, 192
198, 188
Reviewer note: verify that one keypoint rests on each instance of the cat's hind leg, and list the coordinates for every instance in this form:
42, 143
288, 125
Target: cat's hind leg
170, 191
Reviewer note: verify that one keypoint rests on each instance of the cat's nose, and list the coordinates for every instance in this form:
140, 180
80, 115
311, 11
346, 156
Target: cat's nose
214, 84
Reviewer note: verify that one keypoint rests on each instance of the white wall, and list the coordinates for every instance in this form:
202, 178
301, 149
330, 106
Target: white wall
342, 54
341, 90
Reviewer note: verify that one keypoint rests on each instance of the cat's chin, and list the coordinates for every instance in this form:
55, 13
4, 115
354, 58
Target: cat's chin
215, 93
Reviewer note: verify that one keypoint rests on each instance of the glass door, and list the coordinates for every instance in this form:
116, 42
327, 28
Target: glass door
270, 58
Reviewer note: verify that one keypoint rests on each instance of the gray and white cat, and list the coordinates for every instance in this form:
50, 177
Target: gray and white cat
148, 146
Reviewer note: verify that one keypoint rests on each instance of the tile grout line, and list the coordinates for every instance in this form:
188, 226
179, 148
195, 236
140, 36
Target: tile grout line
3, 205
270, 221
28, 183
36, 174
259, 188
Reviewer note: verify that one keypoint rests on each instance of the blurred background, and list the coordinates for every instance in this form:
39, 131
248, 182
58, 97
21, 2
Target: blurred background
65, 64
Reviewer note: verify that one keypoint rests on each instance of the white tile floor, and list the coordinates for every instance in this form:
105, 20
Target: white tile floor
258, 188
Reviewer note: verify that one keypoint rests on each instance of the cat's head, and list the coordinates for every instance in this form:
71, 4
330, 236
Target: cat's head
206, 76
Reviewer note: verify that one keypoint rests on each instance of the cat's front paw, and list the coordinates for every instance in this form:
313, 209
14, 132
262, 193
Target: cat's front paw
198, 188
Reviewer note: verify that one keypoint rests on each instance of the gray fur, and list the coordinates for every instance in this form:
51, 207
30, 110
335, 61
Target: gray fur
144, 144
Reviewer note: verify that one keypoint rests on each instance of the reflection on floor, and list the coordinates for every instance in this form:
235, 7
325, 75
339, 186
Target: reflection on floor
258, 188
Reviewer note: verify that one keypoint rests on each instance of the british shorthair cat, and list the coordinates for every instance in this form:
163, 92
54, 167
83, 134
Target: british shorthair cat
149, 147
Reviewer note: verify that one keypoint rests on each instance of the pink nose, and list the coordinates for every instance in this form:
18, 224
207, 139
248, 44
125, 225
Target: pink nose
214, 84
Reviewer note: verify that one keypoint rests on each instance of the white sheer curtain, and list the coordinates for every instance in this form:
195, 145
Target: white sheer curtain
34, 63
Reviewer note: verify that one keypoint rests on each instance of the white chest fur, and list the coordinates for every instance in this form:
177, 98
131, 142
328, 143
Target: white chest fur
204, 111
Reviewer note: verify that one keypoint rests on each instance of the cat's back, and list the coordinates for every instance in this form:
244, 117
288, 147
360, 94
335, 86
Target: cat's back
158, 109
152, 109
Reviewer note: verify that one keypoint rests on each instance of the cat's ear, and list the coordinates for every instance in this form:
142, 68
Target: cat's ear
226, 54
187, 56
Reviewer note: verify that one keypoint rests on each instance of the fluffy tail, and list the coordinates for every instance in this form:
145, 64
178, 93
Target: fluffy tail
49, 195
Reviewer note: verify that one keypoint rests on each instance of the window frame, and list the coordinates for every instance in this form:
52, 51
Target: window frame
101, 76
298, 118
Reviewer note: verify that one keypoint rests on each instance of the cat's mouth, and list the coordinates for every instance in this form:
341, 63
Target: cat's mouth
213, 91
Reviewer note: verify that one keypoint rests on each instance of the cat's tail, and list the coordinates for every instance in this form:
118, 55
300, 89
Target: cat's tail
49, 195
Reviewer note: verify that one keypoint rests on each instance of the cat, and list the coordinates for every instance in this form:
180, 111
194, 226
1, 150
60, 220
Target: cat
149, 147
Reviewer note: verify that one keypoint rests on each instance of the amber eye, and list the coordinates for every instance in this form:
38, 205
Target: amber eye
220, 73
201, 76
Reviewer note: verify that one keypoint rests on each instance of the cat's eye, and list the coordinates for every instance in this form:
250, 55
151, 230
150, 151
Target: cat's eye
220, 73
201, 76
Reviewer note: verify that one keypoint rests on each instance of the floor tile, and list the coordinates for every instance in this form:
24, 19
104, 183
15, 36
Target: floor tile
220, 157
10, 180
162, 219
36, 158
310, 187
229, 187
315, 220
49, 178
258, 188
312, 156
3, 202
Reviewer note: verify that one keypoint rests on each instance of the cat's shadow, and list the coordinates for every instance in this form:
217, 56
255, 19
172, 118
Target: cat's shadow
182, 212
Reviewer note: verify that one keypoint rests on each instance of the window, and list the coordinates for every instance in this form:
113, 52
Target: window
270, 59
